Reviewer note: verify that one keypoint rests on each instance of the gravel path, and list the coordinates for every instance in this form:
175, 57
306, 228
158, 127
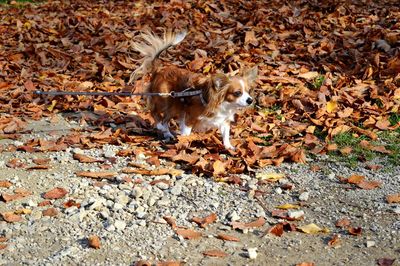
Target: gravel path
126, 213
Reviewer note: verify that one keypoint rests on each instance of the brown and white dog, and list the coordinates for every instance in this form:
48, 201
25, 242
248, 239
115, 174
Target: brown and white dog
221, 95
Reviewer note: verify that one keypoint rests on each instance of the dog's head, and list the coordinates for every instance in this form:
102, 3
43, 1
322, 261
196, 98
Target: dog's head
233, 90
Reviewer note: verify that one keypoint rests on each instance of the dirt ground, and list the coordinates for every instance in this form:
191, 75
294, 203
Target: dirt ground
128, 236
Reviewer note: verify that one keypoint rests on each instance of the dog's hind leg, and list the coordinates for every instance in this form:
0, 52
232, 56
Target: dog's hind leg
185, 129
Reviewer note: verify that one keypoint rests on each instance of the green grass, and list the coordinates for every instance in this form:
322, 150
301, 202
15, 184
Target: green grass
389, 139
317, 83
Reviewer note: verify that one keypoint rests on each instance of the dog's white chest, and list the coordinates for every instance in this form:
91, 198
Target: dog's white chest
225, 113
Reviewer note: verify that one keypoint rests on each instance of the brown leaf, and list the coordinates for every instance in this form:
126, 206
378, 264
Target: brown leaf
44, 203
41, 161
334, 241
188, 233
276, 230
306, 264
250, 38
355, 179
50, 212
171, 221
169, 263
344, 222
215, 253
85, 159
11, 217
369, 184
218, 168
394, 198
15, 163
355, 231
55, 193
38, 167
97, 175
3, 239
71, 203
240, 225
94, 242
228, 238
203, 222
5, 183
3, 246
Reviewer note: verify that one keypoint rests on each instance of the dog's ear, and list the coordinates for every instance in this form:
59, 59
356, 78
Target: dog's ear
251, 74
220, 81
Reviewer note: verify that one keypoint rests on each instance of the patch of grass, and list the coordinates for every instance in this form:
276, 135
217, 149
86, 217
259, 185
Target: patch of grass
389, 139
317, 83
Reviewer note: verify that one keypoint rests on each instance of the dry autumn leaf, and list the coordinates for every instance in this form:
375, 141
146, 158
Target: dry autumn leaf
215, 253
311, 229
97, 175
11, 217
5, 183
355, 231
228, 238
334, 241
271, 177
203, 222
288, 206
188, 233
51, 212
344, 222
55, 193
394, 198
85, 159
94, 242
254, 224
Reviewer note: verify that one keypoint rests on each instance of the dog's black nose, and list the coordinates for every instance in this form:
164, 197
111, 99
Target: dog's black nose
249, 100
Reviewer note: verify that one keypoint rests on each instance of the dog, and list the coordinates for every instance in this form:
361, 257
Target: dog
220, 96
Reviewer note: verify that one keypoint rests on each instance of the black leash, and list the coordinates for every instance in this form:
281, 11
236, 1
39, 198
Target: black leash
186, 93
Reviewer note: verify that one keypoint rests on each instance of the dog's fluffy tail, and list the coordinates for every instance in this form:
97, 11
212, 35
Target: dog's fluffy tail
151, 47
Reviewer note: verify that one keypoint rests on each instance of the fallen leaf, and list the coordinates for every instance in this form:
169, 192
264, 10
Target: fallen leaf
23, 211
159, 171
219, 168
11, 217
85, 159
271, 177
355, 179
188, 233
203, 222
311, 229
344, 222
169, 263
44, 203
94, 242
97, 175
5, 183
55, 193
171, 221
215, 253
3, 246
228, 238
369, 184
15, 163
306, 264
71, 203
355, 231
394, 198
240, 225
288, 206
334, 241
276, 230
41, 161
3, 239
309, 75
50, 212
331, 106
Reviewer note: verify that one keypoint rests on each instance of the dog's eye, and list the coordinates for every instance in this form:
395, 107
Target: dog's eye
237, 93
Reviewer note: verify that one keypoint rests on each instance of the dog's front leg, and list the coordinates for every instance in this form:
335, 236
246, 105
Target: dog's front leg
225, 130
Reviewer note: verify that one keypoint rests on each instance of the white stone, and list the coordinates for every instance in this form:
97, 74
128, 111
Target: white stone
120, 225
278, 190
252, 253
370, 243
295, 214
176, 190
233, 216
304, 196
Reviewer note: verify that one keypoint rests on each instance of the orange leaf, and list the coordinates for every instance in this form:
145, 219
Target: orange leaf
344, 222
306, 264
355, 231
203, 222
55, 193
257, 223
276, 230
97, 175
188, 233
171, 221
215, 253
11, 217
334, 241
355, 179
395, 198
85, 159
5, 183
219, 168
94, 242
369, 184
228, 238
